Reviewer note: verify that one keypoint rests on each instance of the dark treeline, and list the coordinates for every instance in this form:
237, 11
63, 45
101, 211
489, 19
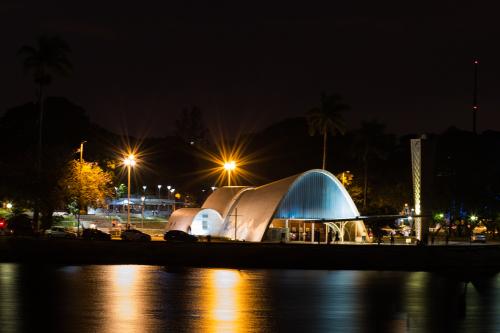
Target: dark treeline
42, 136
465, 177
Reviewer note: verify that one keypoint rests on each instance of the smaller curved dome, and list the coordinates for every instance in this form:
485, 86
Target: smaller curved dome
223, 198
197, 221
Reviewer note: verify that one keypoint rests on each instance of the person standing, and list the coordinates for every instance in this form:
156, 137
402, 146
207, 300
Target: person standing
317, 235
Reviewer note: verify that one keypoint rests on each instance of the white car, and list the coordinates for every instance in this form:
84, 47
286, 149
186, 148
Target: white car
59, 232
479, 238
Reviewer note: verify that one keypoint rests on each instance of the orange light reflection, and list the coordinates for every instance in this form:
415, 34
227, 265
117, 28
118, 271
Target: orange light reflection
225, 298
126, 306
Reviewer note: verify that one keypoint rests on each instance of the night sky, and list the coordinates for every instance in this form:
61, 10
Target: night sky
138, 63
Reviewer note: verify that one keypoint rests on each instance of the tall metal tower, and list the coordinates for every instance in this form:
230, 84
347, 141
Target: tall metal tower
475, 103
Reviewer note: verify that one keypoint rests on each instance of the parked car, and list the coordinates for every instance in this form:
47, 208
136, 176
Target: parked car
135, 235
4, 228
479, 238
95, 234
59, 232
179, 236
21, 225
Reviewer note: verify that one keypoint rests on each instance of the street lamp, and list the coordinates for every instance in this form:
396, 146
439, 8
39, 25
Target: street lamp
81, 151
172, 190
143, 198
229, 166
129, 161
159, 199
144, 187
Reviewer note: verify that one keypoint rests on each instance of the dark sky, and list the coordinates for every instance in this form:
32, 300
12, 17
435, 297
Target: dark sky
137, 63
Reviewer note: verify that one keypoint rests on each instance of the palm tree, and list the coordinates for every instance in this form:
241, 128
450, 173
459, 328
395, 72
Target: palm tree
47, 59
327, 118
370, 142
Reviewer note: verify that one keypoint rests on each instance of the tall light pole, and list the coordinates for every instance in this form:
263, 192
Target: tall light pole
169, 187
172, 190
80, 188
229, 166
475, 104
159, 199
129, 161
81, 151
143, 198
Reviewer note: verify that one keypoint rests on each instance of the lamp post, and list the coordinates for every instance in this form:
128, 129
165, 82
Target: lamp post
143, 198
173, 198
80, 188
129, 162
169, 197
229, 166
81, 151
159, 199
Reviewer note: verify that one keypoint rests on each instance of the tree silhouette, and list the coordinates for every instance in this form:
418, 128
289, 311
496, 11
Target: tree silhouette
190, 126
327, 118
370, 142
48, 59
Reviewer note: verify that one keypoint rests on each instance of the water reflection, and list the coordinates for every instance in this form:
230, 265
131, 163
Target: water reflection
126, 303
229, 301
154, 299
8, 298
224, 299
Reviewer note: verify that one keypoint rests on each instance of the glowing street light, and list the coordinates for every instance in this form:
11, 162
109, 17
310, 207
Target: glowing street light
172, 190
159, 199
9, 205
129, 162
229, 166
81, 151
143, 198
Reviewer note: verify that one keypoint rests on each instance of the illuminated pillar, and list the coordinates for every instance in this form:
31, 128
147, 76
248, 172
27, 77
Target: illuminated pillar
423, 155
416, 168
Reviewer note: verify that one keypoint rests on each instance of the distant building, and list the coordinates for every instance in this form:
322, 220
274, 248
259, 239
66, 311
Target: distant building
150, 206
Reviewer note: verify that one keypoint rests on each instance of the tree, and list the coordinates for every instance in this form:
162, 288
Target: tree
48, 59
120, 190
85, 184
190, 126
327, 118
352, 186
370, 142
65, 126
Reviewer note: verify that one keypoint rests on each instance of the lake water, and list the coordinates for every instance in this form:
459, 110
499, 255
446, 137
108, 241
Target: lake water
134, 298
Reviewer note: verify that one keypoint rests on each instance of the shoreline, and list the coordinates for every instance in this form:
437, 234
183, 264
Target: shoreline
477, 259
